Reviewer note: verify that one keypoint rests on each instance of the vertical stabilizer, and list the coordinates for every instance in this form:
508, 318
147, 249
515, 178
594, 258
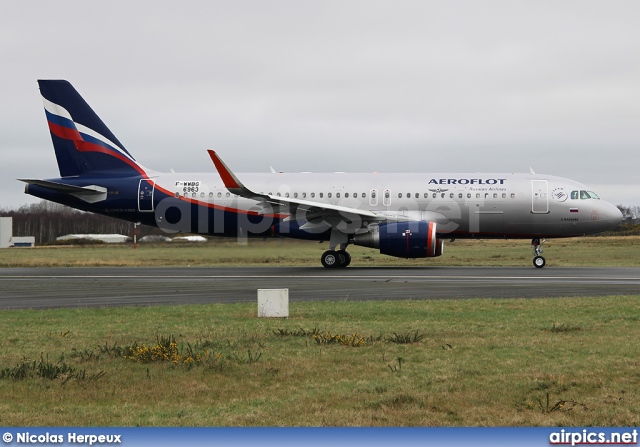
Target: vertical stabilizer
83, 144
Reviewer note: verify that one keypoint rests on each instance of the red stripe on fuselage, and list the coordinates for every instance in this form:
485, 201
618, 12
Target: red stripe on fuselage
219, 207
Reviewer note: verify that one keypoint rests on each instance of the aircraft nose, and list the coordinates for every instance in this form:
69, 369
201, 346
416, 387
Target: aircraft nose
612, 215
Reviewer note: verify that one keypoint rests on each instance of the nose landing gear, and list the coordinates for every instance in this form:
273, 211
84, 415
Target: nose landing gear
536, 244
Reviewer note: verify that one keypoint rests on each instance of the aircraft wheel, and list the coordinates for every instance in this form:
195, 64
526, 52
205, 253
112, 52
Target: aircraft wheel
330, 259
539, 262
344, 258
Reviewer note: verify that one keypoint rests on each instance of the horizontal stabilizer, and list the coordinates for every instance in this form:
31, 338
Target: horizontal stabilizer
91, 193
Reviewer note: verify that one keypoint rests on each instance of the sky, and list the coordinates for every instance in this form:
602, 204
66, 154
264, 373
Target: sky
324, 86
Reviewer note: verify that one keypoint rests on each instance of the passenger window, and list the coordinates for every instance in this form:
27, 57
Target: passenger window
408, 195
329, 195
286, 194
504, 195
295, 195
338, 195
304, 195
434, 195
278, 194
177, 194
460, 196
386, 194
346, 195
193, 194
399, 195
495, 195
469, 195
321, 195
219, 194
201, 194
228, 194
210, 194
451, 196
513, 195
417, 195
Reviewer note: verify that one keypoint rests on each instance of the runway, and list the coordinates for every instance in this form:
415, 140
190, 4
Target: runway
39, 288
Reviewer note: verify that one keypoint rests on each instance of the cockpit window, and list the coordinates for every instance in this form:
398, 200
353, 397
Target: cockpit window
583, 195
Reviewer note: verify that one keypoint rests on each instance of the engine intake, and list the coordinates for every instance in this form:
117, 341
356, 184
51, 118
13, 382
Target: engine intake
403, 239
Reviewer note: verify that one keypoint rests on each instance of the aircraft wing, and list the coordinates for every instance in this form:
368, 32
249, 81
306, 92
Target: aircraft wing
319, 216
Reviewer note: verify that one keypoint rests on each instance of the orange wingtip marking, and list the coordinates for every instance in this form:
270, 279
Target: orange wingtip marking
224, 172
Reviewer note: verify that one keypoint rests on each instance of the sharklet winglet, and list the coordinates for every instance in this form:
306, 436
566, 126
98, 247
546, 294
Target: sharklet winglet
231, 182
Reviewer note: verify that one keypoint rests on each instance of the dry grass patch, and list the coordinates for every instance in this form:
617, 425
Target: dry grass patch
467, 363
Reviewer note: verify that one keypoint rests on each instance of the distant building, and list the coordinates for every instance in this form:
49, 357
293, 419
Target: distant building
8, 240
23, 241
107, 238
6, 231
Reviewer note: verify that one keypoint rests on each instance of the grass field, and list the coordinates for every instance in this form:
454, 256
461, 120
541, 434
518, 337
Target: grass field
541, 362
586, 251
560, 362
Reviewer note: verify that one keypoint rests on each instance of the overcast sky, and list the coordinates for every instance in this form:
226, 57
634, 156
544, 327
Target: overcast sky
356, 86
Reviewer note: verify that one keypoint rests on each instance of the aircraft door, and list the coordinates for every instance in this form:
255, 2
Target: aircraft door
386, 200
539, 197
145, 195
373, 197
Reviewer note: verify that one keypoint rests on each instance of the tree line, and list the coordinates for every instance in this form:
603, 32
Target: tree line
47, 221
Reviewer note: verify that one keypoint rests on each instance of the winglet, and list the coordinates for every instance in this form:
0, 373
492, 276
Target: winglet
231, 182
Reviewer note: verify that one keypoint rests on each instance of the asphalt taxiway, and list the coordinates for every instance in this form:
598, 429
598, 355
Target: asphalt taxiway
100, 287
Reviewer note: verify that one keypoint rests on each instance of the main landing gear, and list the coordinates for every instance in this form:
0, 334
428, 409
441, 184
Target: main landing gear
536, 244
335, 258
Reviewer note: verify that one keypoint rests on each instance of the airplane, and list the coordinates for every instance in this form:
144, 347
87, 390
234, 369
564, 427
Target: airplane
401, 215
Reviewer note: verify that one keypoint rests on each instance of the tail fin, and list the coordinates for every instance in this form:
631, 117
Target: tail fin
82, 142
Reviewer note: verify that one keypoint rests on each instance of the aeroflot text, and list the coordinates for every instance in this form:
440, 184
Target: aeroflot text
72, 438
467, 181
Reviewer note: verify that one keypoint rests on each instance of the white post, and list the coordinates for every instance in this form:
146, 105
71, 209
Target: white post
273, 303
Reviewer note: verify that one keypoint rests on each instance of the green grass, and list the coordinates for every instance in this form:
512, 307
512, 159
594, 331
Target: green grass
615, 251
547, 362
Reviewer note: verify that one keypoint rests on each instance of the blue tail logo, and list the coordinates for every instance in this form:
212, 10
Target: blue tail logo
82, 142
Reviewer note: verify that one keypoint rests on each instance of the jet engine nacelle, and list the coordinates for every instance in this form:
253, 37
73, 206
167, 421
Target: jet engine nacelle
403, 239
